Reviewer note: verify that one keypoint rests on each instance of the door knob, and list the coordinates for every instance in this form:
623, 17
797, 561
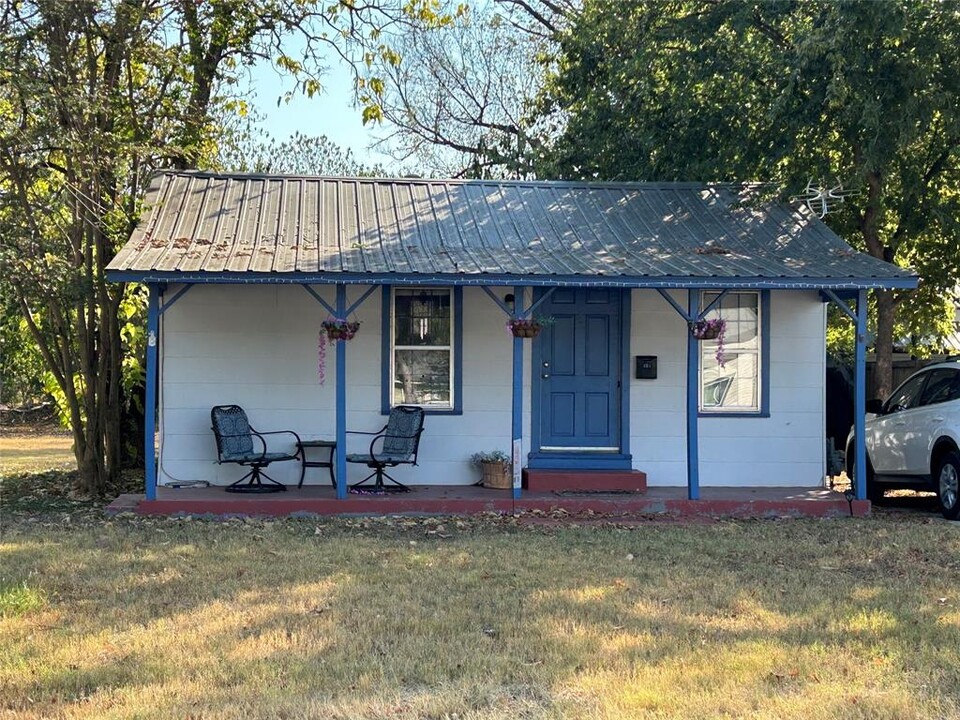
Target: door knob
545, 375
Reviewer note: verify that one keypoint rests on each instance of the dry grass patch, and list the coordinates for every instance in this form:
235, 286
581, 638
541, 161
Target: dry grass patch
378, 619
32, 452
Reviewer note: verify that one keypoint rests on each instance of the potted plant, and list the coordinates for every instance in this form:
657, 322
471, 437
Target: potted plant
528, 327
495, 467
334, 329
339, 328
712, 329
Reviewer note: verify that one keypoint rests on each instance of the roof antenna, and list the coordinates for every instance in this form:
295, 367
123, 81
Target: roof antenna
822, 201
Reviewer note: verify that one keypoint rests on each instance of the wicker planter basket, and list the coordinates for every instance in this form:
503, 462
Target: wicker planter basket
525, 331
497, 475
706, 330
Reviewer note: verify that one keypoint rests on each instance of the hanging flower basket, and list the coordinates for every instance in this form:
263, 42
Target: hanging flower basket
337, 329
332, 329
525, 327
707, 329
711, 330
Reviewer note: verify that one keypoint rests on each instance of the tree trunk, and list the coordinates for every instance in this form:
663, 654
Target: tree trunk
883, 347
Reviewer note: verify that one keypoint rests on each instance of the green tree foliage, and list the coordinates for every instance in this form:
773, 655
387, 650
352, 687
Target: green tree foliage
94, 96
21, 366
299, 154
859, 93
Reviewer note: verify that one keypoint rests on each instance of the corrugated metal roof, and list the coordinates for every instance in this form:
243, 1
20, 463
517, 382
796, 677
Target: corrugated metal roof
201, 224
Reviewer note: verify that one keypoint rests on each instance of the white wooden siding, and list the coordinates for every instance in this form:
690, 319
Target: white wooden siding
785, 449
256, 346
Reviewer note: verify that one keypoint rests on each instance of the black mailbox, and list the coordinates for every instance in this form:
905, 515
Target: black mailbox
646, 367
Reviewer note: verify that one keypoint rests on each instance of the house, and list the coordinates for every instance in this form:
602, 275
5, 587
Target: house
242, 269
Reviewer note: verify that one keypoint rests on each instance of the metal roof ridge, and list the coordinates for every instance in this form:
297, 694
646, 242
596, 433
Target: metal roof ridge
637, 184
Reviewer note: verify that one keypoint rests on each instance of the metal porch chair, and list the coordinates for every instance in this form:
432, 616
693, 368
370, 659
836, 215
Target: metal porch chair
400, 439
235, 444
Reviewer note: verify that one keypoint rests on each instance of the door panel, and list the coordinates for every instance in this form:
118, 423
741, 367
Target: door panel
597, 344
562, 413
597, 423
578, 377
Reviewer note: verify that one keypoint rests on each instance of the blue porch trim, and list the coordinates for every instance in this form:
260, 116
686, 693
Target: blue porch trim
150, 401
860, 399
516, 406
693, 402
341, 399
386, 333
499, 279
580, 461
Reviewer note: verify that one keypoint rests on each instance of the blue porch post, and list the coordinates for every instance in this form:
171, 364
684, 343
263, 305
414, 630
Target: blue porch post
150, 402
341, 398
693, 401
516, 445
860, 399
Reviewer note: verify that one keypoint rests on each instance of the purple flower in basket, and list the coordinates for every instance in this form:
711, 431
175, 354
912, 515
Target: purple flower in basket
712, 329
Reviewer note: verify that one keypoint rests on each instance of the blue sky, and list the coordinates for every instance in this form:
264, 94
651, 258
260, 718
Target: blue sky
331, 113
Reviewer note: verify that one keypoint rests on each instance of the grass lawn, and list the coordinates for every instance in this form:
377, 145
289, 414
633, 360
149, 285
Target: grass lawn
31, 452
476, 618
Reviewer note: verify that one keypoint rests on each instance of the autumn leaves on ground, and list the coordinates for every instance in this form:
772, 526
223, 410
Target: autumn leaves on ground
471, 618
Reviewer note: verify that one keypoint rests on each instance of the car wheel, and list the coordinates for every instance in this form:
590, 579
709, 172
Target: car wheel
947, 478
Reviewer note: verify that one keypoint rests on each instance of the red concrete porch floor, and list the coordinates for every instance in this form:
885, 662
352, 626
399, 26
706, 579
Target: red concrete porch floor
745, 502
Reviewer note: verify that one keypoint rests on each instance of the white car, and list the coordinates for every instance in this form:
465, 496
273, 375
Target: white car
913, 438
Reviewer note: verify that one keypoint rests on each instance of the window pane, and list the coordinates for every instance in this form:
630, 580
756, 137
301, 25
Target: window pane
421, 377
736, 385
941, 387
733, 386
740, 310
905, 396
421, 317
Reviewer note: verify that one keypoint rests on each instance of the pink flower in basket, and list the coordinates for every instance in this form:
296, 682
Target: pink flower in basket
339, 329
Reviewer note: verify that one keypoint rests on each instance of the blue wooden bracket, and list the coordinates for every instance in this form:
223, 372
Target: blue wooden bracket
363, 297
841, 304
500, 303
176, 296
686, 315
675, 304
537, 304
316, 296
713, 303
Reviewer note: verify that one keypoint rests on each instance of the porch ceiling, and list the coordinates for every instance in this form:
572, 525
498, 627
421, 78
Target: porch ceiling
201, 227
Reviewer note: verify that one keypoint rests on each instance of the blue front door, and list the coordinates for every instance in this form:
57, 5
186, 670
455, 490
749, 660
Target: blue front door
577, 373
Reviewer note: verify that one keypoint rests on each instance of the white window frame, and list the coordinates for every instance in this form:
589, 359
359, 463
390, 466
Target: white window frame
451, 348
706, 297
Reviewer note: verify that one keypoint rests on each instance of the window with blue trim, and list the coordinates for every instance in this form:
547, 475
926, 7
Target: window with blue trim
731, 367
424, 348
